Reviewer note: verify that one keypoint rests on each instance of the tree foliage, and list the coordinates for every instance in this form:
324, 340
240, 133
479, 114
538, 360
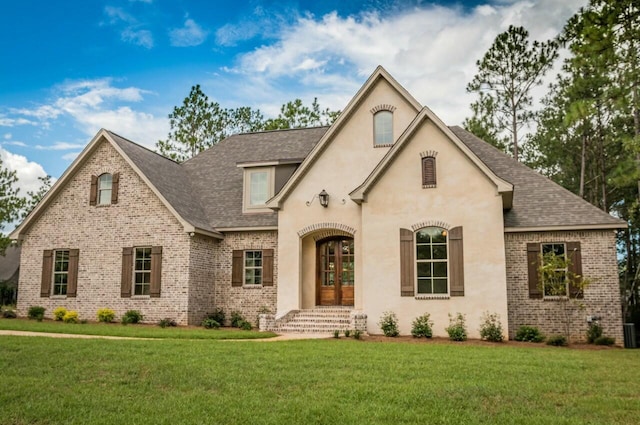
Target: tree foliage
506, 75
11, 203
33, 198
198, 123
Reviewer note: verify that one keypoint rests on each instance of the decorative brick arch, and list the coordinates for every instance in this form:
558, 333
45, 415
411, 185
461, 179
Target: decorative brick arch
430, 223
325, 230
428, 154
383, 107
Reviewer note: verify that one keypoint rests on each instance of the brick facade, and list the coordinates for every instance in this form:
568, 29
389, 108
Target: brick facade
100, 232
250, 301
601, 297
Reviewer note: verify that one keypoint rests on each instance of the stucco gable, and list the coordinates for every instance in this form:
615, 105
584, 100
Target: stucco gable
190, 224
503, 187
380, 74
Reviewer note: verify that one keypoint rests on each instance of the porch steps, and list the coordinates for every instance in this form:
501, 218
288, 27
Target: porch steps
316, 320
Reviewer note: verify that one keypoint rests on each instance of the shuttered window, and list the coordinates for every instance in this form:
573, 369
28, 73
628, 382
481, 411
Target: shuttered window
141, 271
252, 267
104, 189
59, 273
569, 251
428, 172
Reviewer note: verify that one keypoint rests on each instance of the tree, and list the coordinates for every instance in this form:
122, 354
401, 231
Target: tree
11, 204
295, 114
33, 198
506, 75
195, 126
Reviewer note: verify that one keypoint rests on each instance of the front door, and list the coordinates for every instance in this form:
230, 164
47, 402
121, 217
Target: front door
334, 280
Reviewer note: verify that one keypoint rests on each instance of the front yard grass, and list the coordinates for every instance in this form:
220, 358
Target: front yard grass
132, 331
52, 381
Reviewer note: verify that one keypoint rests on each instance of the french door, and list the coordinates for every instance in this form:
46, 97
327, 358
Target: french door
335, 272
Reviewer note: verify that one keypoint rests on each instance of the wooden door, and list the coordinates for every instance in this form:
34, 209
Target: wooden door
335, 272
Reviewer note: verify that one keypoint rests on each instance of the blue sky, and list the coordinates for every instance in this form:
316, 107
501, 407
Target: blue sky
76, 66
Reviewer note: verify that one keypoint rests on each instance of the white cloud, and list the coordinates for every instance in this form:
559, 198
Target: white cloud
142, 38
61, 146
12, 122
26, 171
431, 50
191, 34
7, 136
70, 156
15, 143
130, 31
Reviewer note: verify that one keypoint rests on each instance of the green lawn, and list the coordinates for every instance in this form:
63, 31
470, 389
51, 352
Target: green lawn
56, 381
135, 331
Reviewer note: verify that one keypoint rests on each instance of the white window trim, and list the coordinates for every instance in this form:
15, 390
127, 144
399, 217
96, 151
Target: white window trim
244, 269
432, 296
566, 271
99, 190
133, 284
377, 114
53, 274
246, 198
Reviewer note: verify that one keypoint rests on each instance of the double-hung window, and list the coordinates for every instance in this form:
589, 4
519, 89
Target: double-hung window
253, 267
105, 186
432, 260
61, 272
383, 128
556, 283
142, 271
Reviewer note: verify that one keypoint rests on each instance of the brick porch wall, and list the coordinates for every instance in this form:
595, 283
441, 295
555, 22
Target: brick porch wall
100, 233
247, 300
601, 298
201, 278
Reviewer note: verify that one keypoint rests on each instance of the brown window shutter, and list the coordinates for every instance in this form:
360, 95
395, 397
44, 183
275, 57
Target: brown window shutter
127, 270
72, 278
156, 271
115, 184
533, 264
236, 267
428, 172
267, 267
456, 262
407, 286
93, 194
47, 268
575, 258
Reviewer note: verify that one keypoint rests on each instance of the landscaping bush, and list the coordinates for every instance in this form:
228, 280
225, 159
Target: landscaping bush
491, 328
389, 324
336, 334
58, 313
529, 334
421, 326
210, 323
557, 340
36, 312
594, 332
357, 334
9, 314
132, 316
457, 328
347, 333
604, 340
236, 319
244, 325
106, 315
218, 315
167, 322
70, 317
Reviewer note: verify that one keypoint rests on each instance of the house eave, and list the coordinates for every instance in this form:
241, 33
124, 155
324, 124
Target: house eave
560, 228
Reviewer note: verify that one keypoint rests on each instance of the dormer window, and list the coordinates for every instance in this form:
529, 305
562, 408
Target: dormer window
258, 188
383, 128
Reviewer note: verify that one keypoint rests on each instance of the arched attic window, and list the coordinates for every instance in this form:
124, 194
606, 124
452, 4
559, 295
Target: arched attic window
383, 128
104, 189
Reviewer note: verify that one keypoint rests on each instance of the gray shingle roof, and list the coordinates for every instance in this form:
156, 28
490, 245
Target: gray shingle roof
217, 180
171, 180
537, 201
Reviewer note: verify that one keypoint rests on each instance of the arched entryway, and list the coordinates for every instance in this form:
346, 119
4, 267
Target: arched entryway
335, 280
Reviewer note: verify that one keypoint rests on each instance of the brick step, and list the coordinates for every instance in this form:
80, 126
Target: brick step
317, 320
311, 329
310, 316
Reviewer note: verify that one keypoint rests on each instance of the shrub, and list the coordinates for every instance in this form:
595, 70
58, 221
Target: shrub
58, 313
457, 329
245, 326
106, 315
604, 340
167, 322
132, 316
594, 332
421, 326
357, 334
210, 323
529, 334
70, 317
336, 334
557, 340
389, 324
9, 314
491, 328
236, 318
36, 312
347, 333
217, 315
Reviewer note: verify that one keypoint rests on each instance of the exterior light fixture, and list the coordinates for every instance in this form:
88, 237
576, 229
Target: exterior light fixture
323, 197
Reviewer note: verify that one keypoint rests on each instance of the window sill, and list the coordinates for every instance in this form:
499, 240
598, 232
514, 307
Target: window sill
428, 186
252, 286
58, 297
140, 297
103, 205
383, 145
555, 298
432, 297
